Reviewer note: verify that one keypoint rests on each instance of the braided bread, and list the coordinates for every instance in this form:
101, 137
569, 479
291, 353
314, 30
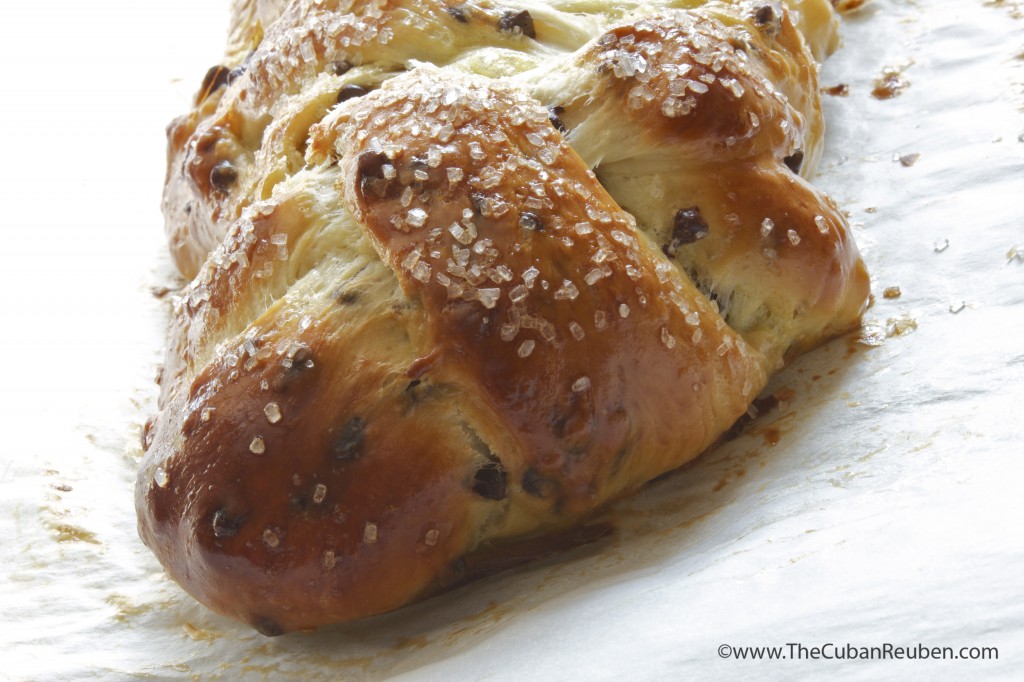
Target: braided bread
464, 273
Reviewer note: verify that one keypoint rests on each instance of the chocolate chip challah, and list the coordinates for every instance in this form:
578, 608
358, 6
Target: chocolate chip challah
465, 272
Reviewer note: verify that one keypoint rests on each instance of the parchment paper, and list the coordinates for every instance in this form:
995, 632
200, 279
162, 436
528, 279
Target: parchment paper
889, 509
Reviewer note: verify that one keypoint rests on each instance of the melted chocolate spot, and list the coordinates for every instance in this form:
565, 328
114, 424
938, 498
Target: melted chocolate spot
215, 79
371, 164
225, 526
223, 176
458, 13
516, 23
370, 172
689, 227
764, 15
349, 443
351, 91
554, 114
794, 161
491, 481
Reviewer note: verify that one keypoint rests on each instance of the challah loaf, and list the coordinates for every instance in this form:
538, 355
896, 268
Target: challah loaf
462, 273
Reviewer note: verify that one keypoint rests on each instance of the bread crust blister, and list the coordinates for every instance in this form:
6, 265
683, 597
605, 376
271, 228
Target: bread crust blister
463, 273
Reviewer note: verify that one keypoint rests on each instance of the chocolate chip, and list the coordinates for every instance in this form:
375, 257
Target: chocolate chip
530, 221
351, 91
458, 13
689, 227
236, 73
491, 481
214, 80
517, 23
267, 626
794, 161
554, 114
223, 176
339, 68
224, 526
370, 170
371, 165
349, 443
764, 15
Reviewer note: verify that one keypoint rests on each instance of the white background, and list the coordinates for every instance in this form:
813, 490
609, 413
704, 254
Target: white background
891, 511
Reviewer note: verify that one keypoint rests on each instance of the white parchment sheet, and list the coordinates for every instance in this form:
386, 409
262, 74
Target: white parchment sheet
890, 509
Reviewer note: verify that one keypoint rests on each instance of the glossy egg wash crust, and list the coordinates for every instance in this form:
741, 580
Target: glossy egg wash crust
462, 273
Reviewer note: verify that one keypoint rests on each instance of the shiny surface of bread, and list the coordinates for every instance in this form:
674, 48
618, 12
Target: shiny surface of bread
464, 273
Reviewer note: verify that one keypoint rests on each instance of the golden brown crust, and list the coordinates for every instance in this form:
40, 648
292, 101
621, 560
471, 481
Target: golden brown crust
720, 114
422, 328
537, 287
284, 56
